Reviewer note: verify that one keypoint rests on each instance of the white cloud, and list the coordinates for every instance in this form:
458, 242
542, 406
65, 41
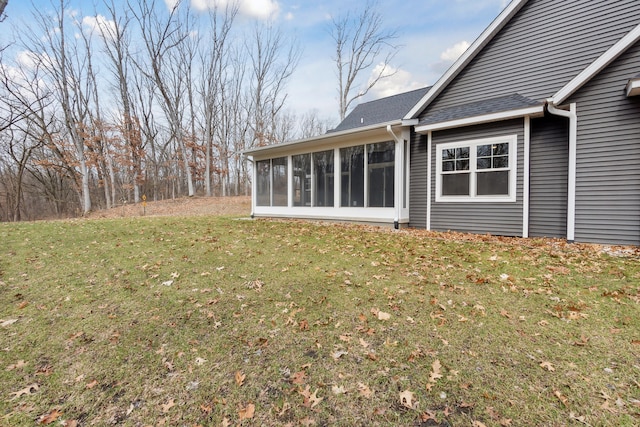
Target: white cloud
100, 25
30, 60
449, 56
454, 52
260, 9
171, 4
399, 81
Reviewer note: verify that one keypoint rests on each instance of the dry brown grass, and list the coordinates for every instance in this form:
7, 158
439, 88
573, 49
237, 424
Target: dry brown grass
185, 206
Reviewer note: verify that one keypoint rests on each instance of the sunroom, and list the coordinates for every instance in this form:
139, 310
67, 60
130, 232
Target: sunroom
359, 175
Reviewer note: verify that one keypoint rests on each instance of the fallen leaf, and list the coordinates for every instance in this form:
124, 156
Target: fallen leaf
364, 390
406, 399
247, 412
240, 377
548, 366
338, 389
575, 417
49, 418
338, 354
200, 361
9, 322
23, 304
435, 371
167, 406
505, 313
92, 384
561, 397
18, 365
477, 423
299, 377
226, 422
310, 399
383, 316
28, 390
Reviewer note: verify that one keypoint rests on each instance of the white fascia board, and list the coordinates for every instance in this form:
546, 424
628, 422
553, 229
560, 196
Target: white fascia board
487, 35
633, 87
322, 140
538, 110
377, 215
596, 66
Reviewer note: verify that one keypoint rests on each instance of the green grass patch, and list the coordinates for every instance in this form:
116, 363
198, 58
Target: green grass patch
220, 321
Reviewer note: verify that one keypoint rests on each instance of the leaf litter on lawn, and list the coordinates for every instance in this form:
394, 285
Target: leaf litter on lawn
312, 323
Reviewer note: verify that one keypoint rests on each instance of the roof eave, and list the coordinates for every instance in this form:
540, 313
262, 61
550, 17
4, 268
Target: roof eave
487, 35
534, 111
325, 139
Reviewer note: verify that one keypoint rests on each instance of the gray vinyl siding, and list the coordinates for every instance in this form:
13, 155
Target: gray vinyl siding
608, 156
418, 182
549, 159
495, 218
541, 49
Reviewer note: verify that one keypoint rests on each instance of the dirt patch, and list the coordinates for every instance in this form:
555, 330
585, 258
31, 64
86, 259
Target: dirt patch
187, 206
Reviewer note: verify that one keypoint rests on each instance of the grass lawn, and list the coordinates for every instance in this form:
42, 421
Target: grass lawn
219, 321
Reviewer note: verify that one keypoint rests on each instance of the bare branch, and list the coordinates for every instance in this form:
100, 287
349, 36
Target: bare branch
360, 43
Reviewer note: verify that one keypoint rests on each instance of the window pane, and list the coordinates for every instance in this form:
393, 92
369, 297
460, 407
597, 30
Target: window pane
493, 183
484, 163
323, 178
462, 153
462, 165
381, 161
449, 154
455, 184
263, 183
448, 166
352, 175
301, 180
484, 150
279, 171
501, 162
500, 149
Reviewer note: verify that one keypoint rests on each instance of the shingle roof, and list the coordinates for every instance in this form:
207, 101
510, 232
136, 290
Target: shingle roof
479, 108
381, 110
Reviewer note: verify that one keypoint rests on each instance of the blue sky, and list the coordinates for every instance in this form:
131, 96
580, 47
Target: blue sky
432, 34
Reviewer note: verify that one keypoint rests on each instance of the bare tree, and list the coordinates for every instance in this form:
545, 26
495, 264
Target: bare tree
57, 55
164, 39
3, 4
361, 42
215, 59
272, 64
311, 125
117, 38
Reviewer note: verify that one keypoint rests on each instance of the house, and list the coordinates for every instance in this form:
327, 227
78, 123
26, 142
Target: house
534, 131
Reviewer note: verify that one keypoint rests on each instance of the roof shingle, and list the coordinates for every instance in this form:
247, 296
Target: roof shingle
479, 108
381, 110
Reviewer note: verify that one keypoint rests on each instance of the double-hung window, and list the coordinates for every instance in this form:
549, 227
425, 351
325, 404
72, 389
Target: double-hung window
478, 170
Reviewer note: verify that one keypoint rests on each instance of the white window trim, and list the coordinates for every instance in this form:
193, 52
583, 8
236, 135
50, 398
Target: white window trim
512, 140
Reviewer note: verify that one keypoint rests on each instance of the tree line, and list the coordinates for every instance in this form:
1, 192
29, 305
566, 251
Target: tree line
140, 99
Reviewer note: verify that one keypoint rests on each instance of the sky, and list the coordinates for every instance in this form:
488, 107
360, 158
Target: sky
431, 36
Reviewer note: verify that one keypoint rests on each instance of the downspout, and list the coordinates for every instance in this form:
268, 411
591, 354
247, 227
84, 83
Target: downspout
397, 194
573, 143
